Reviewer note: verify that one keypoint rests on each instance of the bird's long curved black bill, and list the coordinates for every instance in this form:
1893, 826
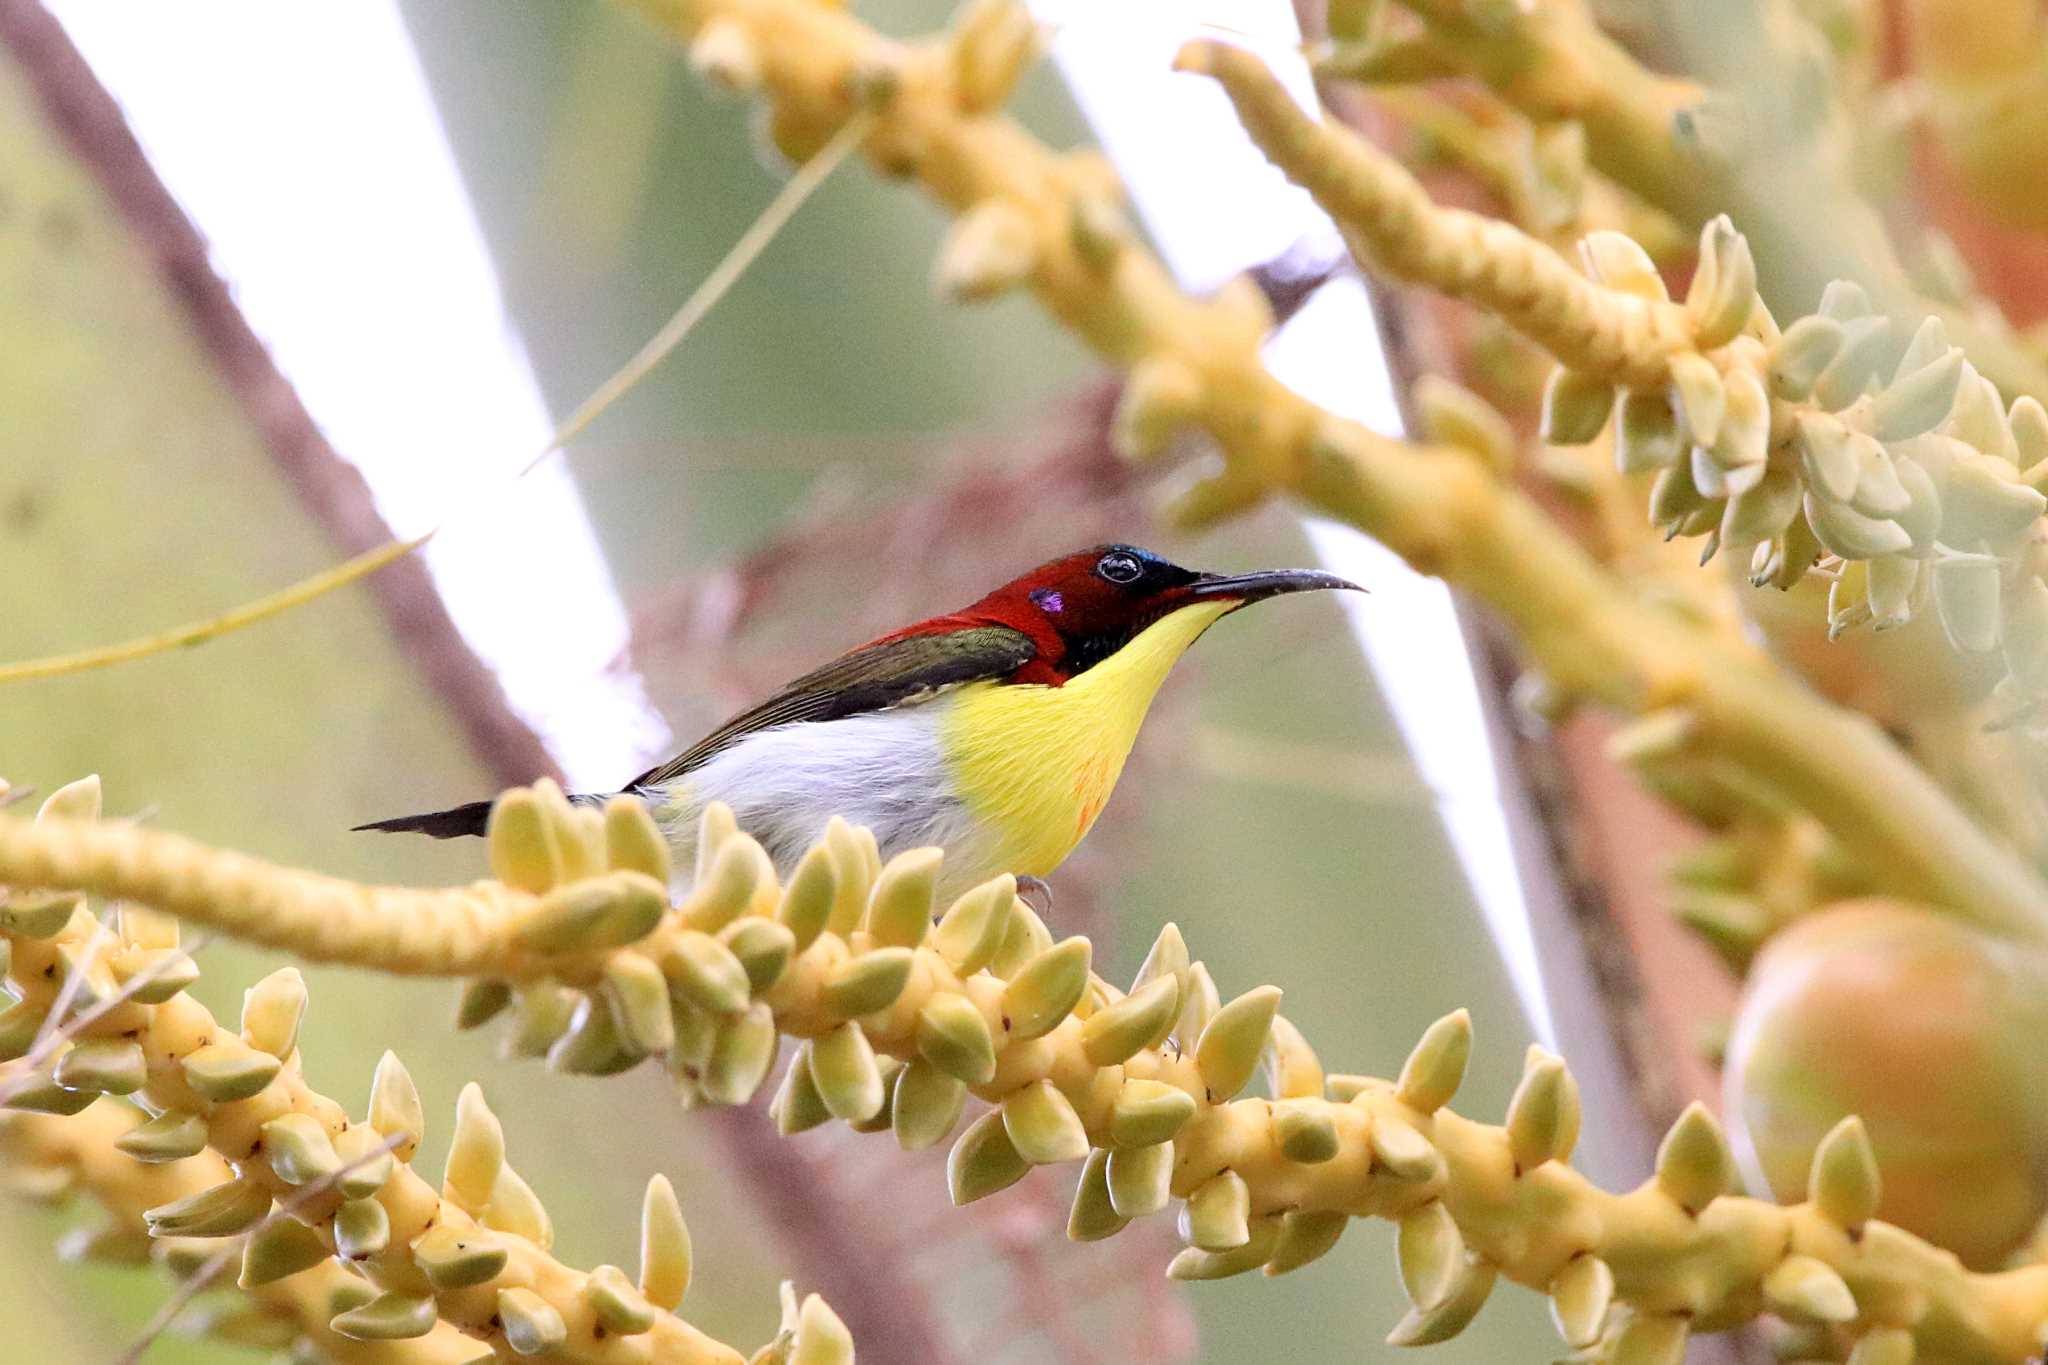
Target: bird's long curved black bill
1253, 587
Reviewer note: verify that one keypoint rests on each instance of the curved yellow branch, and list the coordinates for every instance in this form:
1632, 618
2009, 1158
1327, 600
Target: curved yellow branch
457, 931
900, 1018
1392, 222
473, 1255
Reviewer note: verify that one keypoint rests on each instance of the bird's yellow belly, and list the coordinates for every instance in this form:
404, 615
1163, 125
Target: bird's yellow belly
1037, 764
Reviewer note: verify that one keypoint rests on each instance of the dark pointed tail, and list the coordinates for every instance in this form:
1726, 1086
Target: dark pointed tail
452, 823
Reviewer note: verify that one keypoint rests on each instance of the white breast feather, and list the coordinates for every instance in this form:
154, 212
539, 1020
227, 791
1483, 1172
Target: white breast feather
881, 770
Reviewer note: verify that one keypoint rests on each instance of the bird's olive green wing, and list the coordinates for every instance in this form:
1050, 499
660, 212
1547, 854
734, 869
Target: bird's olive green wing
872, 678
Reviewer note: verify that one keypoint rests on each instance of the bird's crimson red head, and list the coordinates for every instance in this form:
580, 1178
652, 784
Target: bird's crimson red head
1083, 607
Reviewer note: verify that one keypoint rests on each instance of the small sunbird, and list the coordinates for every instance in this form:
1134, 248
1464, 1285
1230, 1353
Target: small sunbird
995, 733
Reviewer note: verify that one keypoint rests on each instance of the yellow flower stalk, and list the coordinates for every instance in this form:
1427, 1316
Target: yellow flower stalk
474, 1255
55, 1158
1145, 1089
1552, 62
1624, 337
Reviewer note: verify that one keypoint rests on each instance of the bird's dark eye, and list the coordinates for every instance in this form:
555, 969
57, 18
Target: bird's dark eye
1119, 568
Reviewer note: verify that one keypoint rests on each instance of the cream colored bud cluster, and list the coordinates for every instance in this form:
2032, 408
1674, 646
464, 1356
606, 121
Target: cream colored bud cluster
304, 1185
54, 952
1000, 239
973, 70
53, 1159
1895, 469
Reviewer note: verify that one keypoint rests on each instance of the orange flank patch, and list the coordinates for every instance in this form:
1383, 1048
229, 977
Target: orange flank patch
1091, 793
1089, 810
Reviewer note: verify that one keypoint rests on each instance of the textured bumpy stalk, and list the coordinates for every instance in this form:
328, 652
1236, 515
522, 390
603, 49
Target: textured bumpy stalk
471, 931
903, 1010
102, 1011
1549, 60
52, 1158
1392, 222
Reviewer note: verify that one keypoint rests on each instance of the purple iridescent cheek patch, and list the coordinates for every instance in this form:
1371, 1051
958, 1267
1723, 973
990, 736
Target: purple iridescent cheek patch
1049, 599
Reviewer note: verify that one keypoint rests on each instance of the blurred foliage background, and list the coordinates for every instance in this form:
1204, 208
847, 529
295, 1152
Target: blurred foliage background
832, 417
